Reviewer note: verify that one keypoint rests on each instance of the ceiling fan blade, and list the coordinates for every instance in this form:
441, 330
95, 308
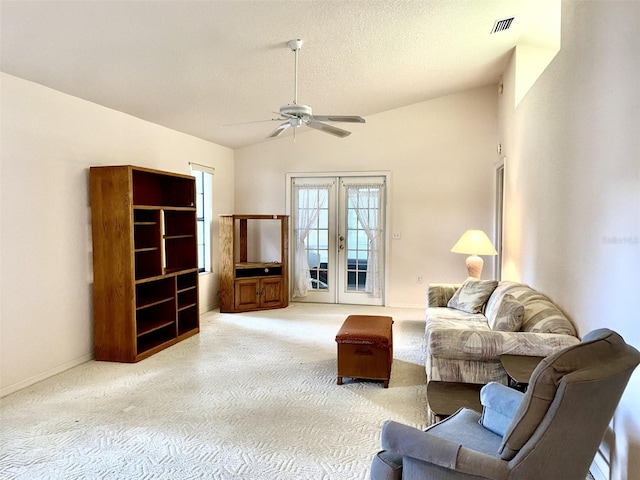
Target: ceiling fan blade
338, 118
338, 132
279, 130
254, 121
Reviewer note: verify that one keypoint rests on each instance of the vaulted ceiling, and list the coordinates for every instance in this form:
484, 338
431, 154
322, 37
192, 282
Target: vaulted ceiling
206, 67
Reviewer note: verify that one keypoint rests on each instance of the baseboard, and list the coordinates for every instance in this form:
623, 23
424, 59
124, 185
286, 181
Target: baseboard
43, 376
600, 467
207, 308
406, 305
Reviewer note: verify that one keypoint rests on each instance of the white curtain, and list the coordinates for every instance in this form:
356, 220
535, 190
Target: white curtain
366, 201
310, 199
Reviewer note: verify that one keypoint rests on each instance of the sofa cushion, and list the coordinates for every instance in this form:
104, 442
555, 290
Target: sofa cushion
472, 295
509, 316
474, 340
503, 288
452, 318
544, 317
541, 315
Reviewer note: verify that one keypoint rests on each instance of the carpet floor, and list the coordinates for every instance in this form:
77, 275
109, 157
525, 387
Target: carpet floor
253, 396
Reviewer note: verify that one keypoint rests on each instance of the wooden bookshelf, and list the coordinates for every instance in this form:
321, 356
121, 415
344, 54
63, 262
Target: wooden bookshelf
145, 261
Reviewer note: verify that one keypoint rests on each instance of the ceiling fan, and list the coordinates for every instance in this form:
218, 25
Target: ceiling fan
296, 114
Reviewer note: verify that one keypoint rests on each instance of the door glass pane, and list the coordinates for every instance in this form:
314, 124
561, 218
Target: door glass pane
357, 245
362, 206
317, 241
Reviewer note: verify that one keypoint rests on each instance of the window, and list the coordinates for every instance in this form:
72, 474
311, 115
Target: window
204, 213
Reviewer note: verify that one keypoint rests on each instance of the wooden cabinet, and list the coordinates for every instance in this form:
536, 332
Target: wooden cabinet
261, 283
257, 293
145, 261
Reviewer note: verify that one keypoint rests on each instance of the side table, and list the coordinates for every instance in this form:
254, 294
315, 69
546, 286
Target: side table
445, 398
519, 368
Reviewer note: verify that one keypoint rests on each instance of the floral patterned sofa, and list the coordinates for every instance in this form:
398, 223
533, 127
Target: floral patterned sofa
470, 325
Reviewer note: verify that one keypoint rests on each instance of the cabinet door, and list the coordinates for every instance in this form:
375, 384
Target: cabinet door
271, 292
246, 297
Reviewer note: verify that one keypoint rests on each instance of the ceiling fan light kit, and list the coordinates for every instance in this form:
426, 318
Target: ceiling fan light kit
296, 115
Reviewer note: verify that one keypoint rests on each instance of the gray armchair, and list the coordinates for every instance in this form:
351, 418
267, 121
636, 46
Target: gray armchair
550, 432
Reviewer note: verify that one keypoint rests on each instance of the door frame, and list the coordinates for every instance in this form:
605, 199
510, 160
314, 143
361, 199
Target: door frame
387, 218
499, 211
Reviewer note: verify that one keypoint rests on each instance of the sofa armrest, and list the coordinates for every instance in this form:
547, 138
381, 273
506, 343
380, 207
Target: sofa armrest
499, 404
439, 294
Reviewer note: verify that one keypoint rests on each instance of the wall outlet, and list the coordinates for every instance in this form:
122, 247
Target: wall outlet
396, 235
419, 279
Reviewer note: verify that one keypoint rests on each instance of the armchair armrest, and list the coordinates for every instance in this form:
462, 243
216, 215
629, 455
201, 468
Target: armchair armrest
411, 442
439, 294
499, 406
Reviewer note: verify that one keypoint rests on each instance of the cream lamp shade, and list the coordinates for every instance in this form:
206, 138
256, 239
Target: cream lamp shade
474, 243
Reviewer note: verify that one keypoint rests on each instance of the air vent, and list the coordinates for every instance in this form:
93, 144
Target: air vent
502, 25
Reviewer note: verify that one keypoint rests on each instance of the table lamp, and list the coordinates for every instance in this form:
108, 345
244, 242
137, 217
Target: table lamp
474, 243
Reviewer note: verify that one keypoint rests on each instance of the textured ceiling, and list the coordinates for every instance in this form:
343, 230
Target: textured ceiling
197, 67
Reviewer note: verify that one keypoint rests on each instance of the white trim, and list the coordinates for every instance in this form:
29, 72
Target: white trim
406, 305
202, 168
499, 215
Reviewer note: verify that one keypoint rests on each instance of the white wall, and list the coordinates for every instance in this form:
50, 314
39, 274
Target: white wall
49, 140
573, 187
441, 154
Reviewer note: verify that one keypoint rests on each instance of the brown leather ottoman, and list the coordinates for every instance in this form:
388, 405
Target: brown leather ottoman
365, 348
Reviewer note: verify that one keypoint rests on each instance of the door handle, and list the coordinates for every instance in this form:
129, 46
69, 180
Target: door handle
341, 246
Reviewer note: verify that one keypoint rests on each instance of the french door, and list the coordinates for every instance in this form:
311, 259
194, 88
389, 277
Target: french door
338, 242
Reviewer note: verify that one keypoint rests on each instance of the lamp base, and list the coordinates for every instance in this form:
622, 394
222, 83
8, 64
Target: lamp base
474, 266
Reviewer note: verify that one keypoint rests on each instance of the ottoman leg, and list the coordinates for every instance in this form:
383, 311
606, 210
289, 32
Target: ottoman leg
339, 380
